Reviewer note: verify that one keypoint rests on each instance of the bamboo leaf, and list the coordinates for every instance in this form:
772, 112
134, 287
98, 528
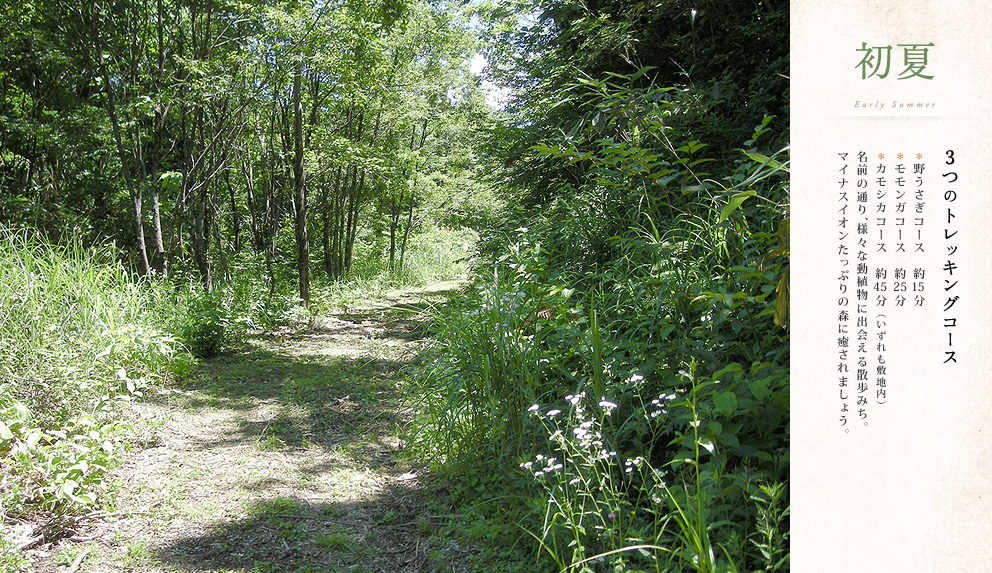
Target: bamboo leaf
734, 203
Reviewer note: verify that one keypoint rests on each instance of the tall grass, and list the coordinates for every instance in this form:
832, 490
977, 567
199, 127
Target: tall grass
77, 335
70, 321
491, 370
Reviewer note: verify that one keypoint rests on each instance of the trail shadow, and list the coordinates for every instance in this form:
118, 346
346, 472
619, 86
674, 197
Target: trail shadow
310, 414
331, 383
298, 400
387, 533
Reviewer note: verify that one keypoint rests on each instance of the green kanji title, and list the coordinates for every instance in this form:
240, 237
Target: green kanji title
876, 61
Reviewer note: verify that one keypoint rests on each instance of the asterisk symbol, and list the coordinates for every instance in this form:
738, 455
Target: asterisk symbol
881, 156
919, 156
899, 156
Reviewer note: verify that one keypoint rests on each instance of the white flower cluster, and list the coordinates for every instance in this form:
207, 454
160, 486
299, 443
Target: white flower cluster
547, 465
633, 463
659, 403
536, 410
574, 399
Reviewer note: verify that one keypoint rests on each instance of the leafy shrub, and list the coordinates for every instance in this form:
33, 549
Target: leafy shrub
204, 326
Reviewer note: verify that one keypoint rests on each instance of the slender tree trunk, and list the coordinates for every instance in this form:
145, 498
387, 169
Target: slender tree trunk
299, 191
219, 245
352, 230
394, 219
133, 192
199, 228
235, 216
253, 220
328, 203
199, 243
270, 213
406, 232
159, 262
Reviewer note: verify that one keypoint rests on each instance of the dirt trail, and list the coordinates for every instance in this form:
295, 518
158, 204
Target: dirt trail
280, 456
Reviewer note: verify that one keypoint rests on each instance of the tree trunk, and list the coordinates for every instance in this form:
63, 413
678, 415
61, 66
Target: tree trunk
329, 217
394, 220
406, 232
299, 191
352, 230
235, 216
133, 192
159, 262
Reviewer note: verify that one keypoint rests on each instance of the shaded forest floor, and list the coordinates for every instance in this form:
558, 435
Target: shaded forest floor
281, 455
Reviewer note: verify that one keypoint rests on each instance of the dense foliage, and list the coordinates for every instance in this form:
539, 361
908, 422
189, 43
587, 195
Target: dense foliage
201, 136
79, 336
174, 174
625, 346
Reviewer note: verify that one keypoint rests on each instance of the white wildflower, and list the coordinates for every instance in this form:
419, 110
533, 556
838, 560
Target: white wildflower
633, 463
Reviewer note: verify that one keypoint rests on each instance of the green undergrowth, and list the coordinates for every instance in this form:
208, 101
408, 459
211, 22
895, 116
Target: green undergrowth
248, 302
614, 385
79, 338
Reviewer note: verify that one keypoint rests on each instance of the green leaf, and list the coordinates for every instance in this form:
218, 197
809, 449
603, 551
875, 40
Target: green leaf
715, 428
33, 438
782, 301
707, 444
22, 412
729, 440
598, 123
725, 402
733, 204
5, 432
763, 159
759, 389
732, 368
68, 490
642, 71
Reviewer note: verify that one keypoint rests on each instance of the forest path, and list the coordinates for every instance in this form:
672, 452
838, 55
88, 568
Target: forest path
282, 455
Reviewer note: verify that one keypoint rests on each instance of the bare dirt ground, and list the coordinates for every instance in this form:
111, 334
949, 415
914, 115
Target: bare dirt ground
281, 455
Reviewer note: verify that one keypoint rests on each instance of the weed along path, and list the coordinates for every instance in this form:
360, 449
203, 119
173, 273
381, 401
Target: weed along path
282, 455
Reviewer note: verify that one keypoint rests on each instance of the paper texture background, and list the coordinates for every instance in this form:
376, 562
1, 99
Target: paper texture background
910, 489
